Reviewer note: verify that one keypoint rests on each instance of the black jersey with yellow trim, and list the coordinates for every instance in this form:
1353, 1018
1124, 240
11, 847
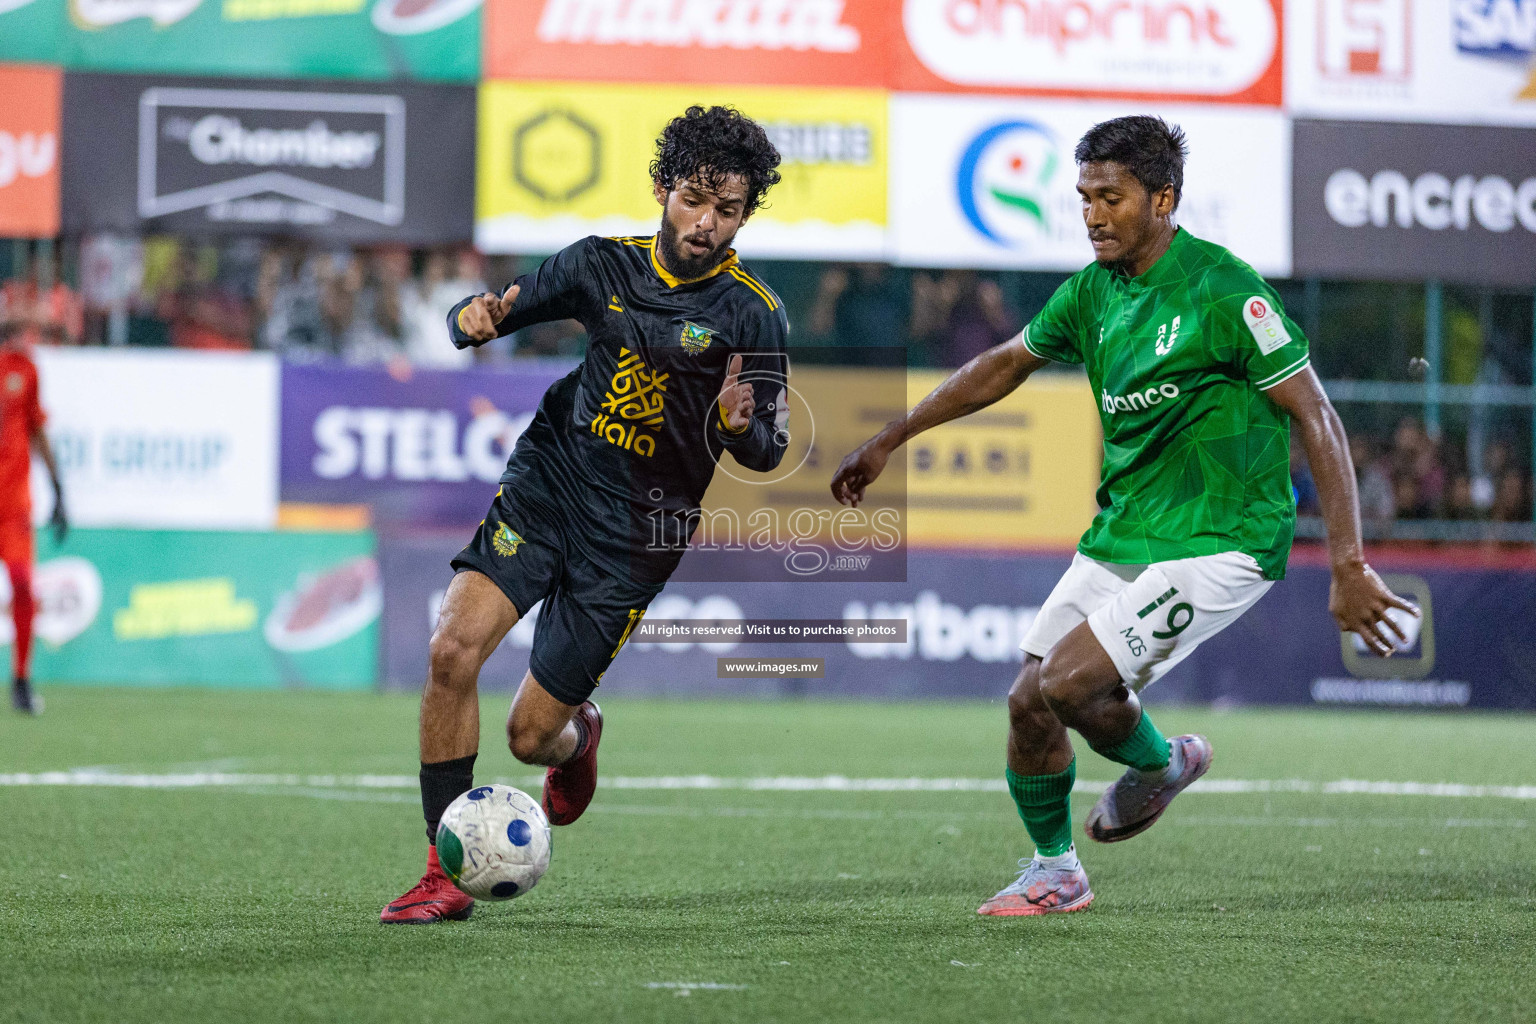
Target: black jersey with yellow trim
633, 434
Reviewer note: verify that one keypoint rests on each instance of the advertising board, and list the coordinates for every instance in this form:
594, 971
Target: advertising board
561, 161
161, 439
1469, 62
355, 163
29, 150
205, 608
990, 182
1413, 201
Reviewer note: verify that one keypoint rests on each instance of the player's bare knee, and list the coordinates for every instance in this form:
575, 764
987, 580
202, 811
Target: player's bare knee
1028, 713
453, 662
1065, 684
527, 742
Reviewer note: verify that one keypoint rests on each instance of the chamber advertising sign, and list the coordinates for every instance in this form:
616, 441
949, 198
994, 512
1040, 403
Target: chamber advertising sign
343, 163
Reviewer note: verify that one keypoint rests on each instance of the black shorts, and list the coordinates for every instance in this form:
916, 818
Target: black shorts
588, 611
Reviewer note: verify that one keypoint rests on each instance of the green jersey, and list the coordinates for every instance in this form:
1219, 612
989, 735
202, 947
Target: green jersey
1196, 456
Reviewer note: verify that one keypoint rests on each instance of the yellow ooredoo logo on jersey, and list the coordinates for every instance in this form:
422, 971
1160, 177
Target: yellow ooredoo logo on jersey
636, 397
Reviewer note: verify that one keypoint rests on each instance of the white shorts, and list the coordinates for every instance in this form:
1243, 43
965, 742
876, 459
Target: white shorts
1148, 618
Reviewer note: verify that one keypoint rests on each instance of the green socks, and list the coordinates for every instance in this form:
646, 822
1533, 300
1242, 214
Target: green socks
1043, 803
1144, 749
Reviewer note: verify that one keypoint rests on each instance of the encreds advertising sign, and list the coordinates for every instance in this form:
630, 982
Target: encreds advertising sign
991, 182
205, 608
1414, 201
1465, 62
966, 614
427, 449
161, 439
354, 163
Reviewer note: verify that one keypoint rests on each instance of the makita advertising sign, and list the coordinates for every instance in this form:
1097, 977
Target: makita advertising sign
358, 162
1410, 201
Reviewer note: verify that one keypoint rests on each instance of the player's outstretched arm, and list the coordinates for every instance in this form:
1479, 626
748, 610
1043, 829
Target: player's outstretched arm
1357, 598
989, 377
60, 519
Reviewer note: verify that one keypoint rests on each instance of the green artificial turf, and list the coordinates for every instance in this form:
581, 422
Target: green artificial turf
259, 901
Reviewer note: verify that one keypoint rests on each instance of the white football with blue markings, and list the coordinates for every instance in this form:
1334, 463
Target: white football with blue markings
493, 842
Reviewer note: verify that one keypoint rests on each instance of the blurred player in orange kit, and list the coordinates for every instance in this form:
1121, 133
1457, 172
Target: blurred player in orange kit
21, 430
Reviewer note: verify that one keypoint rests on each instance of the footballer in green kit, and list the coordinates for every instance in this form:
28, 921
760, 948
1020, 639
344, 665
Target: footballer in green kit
1198, 374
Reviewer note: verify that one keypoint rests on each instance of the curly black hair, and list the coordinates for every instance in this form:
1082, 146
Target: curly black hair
1150, 148
708, 145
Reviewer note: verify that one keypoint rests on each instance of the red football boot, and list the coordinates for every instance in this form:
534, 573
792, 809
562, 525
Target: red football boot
430, 900
568, 787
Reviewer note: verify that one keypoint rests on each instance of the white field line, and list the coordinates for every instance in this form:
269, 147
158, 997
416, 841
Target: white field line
773, 783
708, 986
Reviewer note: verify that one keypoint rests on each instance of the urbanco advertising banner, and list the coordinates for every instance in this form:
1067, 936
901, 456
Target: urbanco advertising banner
1210, 51
161, 439
1414, 201
746, 42
990, 182
966, 614
341, 162
431, 40
205, 608
30, 106
426, 449
31, 30
561, 161
1466, 62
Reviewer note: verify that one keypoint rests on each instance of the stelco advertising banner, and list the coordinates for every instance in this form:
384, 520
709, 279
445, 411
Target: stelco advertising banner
1465, 62
1414, 201
432, 40
205, 608
427, 450
559, 162
989, 182
354, 163
161, 439
29, 150
966, 613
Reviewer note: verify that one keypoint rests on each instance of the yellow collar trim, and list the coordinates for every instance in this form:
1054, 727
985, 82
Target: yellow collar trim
672, 282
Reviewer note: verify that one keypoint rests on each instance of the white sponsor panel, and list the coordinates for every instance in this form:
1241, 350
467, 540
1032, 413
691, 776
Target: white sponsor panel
162, 439
795, 25
991, 182
1461, 62
1209, 48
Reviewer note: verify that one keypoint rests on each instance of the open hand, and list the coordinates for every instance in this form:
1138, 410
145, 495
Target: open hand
484, 312
737, 400
858, 470
1359, 602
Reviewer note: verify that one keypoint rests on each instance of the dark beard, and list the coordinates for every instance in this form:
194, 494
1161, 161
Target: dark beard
686, 268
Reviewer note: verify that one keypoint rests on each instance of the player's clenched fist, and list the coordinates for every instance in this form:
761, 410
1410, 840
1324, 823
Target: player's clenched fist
737, 402
859, 469
484, 312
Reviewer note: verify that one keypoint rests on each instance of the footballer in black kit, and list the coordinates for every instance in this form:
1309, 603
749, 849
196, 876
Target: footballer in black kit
685, 360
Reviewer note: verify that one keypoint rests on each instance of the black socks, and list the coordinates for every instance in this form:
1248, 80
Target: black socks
441, 784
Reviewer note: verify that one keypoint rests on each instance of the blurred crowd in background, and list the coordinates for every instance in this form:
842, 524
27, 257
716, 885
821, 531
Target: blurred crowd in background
388, 306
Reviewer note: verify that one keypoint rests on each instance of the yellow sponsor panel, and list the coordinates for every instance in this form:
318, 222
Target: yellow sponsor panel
558, 161
1020, 474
